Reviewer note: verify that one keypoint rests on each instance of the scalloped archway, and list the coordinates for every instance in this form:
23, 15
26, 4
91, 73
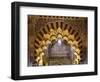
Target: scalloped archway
53, 31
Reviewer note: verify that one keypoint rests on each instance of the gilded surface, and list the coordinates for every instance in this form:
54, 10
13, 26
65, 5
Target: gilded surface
57, 40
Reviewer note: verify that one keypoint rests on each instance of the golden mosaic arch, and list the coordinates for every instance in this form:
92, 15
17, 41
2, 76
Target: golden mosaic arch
52, 32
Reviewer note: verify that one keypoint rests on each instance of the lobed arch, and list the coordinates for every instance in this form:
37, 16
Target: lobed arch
53, 31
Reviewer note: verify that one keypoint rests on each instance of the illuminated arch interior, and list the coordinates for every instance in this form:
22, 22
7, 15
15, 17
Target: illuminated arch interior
53, 32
